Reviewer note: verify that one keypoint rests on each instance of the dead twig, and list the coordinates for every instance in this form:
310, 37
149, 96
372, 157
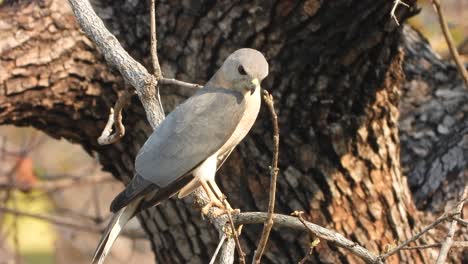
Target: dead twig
286, 221
67, 223
312, 245
52, 185
395, 5
456, 244
268, 98
460, 221
215, 254
169, 81
416, 236
154, 42
235, 235
453, 225
115, 118
450, 43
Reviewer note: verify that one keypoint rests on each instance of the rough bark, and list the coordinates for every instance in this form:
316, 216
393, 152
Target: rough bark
335, 73
433, 126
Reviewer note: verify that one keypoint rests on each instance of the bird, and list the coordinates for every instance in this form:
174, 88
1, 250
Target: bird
192, 142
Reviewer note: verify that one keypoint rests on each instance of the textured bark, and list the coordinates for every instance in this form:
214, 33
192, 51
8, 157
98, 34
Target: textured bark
335, 73
433, 126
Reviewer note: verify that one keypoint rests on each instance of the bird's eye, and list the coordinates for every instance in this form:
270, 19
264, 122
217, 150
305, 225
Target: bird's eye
242, 70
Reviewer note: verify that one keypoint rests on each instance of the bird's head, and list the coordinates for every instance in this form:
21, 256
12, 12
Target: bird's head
244, 70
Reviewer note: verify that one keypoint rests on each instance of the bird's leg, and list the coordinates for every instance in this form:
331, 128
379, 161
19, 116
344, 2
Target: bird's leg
221, 196
214, 201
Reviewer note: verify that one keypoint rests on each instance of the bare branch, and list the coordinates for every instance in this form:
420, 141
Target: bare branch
395, 5
268, 98
235, 234
133, 72
168, 81
321, 232
154, 42
312, 245
115, 117
67, 223
50, 185
453, 225
415, 237
456, 244
451, 45
215, 254
460, 221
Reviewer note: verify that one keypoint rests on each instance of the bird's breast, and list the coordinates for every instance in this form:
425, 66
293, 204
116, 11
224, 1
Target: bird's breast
252, 107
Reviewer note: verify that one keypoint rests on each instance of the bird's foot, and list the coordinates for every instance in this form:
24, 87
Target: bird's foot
215, 202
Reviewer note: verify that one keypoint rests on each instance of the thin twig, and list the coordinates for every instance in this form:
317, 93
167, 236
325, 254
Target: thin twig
169, 81
51, 185
67, 223
453, 225
312, 245
395, 5
456, 244
115, 118
215, 254
460, 221
450, 43
154, 42
416, 236
268, 98
235, 235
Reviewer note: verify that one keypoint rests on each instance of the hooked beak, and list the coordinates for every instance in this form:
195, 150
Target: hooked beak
253, 85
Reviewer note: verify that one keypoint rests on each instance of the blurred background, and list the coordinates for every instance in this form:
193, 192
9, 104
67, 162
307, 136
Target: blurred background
54, 197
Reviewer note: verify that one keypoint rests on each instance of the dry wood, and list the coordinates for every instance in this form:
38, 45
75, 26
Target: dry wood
450, 43
268, 98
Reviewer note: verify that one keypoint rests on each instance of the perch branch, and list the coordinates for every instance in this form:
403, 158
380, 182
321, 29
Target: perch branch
115, 118
453, 225
450, 43
268, 98
321, 232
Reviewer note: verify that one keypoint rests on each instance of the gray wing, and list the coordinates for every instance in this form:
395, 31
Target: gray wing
195, 130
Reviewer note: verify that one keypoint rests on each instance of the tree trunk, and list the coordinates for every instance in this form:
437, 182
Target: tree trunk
335, 75
433, 126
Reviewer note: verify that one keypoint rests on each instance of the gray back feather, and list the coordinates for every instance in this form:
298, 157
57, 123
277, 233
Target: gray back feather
195, 130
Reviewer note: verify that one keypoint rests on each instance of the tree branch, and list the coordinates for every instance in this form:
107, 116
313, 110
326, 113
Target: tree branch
395, 5
453, 225
321, 232
115, 118
154, 42
133, 72
456, 244
67, 223
51, 185
451, 45
268, 98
